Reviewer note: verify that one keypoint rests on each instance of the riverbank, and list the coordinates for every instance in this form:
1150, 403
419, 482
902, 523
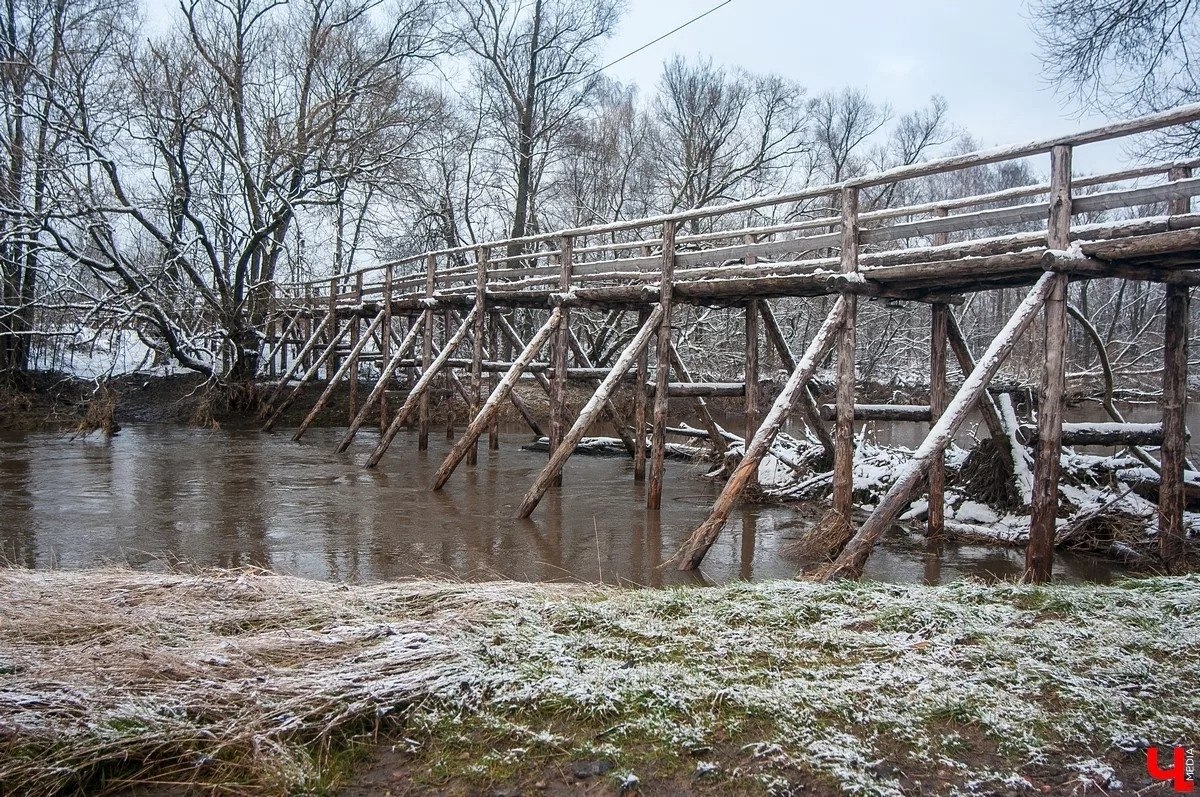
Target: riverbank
245, 682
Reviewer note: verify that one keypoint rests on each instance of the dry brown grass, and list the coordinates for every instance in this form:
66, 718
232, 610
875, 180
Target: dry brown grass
100, 413
230, 680
825, 540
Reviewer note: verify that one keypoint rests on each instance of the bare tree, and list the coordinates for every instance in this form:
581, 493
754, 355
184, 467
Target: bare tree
213, 147
536, 64
1127, 56
726, 132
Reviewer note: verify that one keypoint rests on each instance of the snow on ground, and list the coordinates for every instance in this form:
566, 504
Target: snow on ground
778, 684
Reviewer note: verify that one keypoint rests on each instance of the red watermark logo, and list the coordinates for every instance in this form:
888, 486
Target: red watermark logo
1181, 773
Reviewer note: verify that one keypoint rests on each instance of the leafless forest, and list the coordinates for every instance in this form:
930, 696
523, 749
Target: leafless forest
158, 179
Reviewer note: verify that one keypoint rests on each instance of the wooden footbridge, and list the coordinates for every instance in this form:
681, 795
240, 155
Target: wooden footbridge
818, 241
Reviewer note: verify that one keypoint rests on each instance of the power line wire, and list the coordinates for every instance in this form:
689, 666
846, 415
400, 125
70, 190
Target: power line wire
672, 32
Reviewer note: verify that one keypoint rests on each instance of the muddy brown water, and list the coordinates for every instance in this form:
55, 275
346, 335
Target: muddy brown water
160, 494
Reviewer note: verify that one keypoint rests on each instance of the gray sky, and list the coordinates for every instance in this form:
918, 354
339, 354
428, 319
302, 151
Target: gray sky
981, 55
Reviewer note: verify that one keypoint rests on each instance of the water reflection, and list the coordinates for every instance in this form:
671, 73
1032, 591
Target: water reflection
230, 498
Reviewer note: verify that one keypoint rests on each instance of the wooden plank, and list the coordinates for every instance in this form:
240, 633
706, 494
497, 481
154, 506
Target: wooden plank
1039, 553
691, 555
852, 559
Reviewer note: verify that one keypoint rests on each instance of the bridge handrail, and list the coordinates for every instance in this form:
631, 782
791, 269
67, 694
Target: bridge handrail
1174, 117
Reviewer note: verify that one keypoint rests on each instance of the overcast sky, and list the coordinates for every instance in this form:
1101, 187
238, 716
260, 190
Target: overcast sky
981, 55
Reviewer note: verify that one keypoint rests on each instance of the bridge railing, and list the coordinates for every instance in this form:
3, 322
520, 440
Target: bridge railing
795, 232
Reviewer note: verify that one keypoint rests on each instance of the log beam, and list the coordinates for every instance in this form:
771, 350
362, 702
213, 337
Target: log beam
690, 556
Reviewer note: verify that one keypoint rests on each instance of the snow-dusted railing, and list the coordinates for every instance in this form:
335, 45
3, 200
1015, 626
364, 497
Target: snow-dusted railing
805, 229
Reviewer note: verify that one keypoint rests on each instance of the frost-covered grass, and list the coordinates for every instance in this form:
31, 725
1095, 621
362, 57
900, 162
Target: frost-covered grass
260, 683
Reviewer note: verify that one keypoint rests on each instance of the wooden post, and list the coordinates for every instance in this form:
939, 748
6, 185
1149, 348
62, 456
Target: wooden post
852, 559
715, 437
807, 404
275, 325
326, 355
355, 332
334, 360
639, 406
558, 358
301, 358
938, 395
503, 389
385, 340
662, 370
1172, 455
843, 437
449, 318
1039, 553
481, 270
426, 350
377, 392
493, 343
420, 390
693, 551
347, 367
559, 456
753, 392
610, 409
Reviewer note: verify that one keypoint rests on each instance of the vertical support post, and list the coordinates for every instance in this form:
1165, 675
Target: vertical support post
558, 355
939, 395
639, 406
310, 307
385, 341
493, 343
427, 350
481, 268
843, 435
334, 361
753, 392
355, 334
1171, 531
662, 371
448, 320
276, 327
1039, 553
753, 397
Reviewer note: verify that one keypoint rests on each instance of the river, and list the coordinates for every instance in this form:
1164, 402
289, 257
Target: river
159, 495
